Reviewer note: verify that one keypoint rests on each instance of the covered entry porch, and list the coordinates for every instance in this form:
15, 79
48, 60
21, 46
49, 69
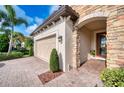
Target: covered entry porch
91, 38
93, 41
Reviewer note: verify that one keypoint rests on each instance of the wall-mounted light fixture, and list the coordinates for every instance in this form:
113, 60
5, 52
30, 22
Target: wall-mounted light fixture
60, 39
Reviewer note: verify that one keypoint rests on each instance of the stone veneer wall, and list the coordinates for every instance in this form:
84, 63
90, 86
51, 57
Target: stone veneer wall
115, 33
76, 48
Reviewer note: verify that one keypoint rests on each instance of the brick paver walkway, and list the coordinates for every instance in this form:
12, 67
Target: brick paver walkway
86, 76
23, 73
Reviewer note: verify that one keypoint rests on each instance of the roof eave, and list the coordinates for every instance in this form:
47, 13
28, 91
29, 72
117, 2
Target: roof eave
63, 11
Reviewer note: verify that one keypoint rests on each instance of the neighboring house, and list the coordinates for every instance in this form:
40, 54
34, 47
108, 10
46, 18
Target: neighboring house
77, 30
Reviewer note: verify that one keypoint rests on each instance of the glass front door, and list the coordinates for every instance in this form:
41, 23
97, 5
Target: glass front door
101, 44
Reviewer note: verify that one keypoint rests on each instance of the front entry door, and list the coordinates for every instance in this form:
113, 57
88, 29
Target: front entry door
101, 44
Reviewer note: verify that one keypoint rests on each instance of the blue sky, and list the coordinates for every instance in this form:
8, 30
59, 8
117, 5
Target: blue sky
34, 14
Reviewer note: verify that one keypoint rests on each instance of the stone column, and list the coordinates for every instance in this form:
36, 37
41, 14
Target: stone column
76, 48
115, 39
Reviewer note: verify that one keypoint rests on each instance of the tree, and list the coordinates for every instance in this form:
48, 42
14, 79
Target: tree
4, 42
28, 43
18, 39
10, 20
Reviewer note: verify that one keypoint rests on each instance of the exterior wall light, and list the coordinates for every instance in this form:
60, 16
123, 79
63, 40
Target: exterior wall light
60, 39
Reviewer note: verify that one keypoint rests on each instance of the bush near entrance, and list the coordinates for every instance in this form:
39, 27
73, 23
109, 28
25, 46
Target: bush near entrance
113, 77
54, 61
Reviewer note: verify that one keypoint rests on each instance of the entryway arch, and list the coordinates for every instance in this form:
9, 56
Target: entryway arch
91, 17
92, 35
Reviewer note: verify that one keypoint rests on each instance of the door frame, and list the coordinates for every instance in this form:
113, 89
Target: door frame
98, 44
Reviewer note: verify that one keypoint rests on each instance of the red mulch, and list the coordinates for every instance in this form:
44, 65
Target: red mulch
48, 76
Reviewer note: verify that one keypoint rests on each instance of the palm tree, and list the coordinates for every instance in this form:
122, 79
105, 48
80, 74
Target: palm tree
10, 20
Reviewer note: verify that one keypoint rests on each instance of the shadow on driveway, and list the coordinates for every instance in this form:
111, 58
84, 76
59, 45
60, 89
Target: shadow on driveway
1, 65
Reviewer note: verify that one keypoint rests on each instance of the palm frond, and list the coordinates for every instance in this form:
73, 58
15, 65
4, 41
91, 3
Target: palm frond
5, 24
10, 11
3, 15
19, 21
6, 31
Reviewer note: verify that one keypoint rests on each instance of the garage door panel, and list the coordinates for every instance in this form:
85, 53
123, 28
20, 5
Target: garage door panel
44, 47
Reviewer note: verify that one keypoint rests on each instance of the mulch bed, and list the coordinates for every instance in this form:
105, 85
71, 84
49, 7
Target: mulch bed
48, 76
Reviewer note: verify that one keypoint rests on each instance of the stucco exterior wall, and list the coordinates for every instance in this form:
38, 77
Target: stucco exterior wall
59, 30
85, 44
115, 29
62, 28
68, 44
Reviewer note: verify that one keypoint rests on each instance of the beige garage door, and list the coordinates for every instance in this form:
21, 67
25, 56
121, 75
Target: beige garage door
44, 47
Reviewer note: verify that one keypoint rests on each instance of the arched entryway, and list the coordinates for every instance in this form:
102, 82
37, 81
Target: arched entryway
92, 34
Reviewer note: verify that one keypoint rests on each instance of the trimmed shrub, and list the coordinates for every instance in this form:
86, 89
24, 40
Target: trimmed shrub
113, 77
31, 51
54, 61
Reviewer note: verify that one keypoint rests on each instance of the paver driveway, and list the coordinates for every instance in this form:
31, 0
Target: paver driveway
23, 73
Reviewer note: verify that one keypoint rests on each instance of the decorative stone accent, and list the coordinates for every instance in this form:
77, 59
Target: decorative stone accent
76, 47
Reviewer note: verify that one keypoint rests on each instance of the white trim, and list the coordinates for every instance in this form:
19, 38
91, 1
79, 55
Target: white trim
53, 23
47, 35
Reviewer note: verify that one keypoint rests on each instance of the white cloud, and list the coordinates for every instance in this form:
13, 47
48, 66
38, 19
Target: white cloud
53, 8
21, 13
31, 28
38, 20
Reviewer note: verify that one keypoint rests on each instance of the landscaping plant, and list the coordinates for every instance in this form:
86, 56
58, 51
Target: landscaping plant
31, 51
4, 43
12, 55
113, 77
54, 61
92, 52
